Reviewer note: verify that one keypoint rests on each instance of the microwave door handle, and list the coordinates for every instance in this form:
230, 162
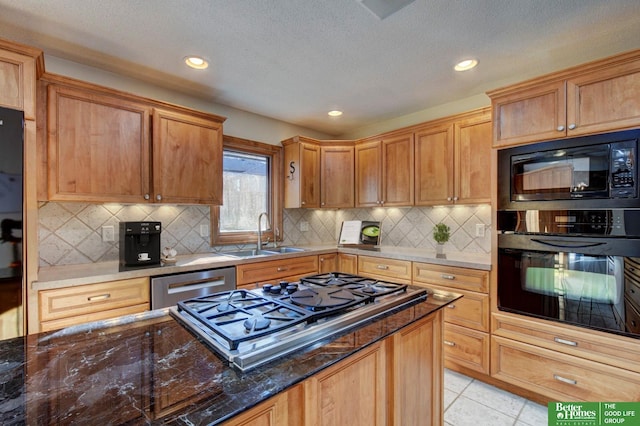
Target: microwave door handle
562, 244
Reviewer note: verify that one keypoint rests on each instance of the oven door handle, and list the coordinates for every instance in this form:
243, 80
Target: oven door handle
563, 244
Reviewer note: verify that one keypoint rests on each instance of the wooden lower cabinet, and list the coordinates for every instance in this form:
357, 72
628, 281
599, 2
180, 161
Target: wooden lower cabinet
397, 381
290, 269
561, 377
348, 263
282, 409
63, 307
398, 271
466, 347
349, 393
327, 263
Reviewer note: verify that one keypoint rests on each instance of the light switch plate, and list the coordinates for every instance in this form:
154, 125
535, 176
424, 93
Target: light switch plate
479, 229
304, 226
108, 233
204, 231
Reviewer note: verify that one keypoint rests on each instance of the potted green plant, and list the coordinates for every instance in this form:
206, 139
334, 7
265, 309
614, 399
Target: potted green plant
441, 234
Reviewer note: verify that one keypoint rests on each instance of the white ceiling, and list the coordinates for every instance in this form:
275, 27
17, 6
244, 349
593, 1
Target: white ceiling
294, 60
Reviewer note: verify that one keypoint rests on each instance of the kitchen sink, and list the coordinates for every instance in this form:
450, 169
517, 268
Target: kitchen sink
248, 253
267, 252
284, 250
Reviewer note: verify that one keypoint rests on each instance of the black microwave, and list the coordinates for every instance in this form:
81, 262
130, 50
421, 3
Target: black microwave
598, 171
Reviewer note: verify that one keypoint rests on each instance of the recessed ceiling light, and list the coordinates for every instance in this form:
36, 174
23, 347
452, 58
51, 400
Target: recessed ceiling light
335, 113
196, 62
465, 65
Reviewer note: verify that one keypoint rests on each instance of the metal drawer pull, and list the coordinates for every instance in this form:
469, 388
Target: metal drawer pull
448, 343
99, 297
565, 380
384, 267
565, 341
448, 277
452, 306
282, 269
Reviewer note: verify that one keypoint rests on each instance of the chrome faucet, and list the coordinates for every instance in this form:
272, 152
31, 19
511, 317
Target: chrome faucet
260, 228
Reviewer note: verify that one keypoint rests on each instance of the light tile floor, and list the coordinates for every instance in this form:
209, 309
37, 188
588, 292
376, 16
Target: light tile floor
470, 402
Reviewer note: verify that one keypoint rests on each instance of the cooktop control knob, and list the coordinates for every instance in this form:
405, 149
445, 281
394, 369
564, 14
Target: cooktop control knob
292, 288
283, 284
266, 288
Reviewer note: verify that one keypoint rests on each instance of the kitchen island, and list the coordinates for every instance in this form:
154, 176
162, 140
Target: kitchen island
148, 369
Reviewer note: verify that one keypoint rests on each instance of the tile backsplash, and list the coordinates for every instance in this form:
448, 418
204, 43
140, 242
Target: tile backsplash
71, 233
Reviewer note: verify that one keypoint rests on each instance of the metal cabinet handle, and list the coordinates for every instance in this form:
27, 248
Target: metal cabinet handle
451, 306
302, 203
572, 126
448, 198
147, 196
565, 341
282, 269
99, 297
322, 204
455, 198
448, 277
158, 197
561, 128
449, 343
565, 380
383, 267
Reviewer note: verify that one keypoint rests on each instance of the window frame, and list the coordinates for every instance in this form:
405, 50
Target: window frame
233, 143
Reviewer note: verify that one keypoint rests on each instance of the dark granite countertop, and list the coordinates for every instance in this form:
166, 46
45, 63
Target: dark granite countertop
148, 369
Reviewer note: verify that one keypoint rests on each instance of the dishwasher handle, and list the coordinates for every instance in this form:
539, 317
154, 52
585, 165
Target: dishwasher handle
183, 287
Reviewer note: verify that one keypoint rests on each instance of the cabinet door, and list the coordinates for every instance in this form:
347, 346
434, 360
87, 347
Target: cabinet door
281, 410
368, 174
348, 263
417, 383
328, 263
434, 165
397, 171
18, 82
473, 160
187, 159
530, 115
309, 175
98, 147
337, 176
604, 100
352, 392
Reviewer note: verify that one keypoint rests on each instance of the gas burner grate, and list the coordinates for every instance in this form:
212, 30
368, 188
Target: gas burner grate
237, 316
363, 285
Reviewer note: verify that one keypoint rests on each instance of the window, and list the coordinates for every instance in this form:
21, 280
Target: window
251, 185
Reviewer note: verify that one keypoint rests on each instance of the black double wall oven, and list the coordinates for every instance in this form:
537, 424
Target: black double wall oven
569, 231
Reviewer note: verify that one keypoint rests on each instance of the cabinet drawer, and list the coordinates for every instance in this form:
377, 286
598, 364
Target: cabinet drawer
471, 311
466, 347
451, 276
603, 348
632, 317
561, 377
68, 302
275, 269
397, 270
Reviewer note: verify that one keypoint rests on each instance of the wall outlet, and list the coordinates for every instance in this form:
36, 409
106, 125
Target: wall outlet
108, 233
304, 226
204, 231
480, 230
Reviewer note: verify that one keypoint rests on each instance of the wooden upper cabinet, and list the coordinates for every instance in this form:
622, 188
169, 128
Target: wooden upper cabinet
434, 165
384, 172
98, 147
368, 174
19, 69
453, 160
598, 97
337, 179
302, 171
604, 100
472, 154
397, 170
534, 114
187, 158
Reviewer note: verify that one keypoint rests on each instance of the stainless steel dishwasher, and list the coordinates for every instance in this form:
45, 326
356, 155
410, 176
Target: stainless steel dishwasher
167, 290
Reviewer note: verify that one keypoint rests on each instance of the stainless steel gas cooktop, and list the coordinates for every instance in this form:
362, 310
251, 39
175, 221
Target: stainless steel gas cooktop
251, 327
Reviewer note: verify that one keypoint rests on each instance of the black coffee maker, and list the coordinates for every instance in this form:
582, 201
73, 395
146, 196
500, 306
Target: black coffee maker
139, 245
